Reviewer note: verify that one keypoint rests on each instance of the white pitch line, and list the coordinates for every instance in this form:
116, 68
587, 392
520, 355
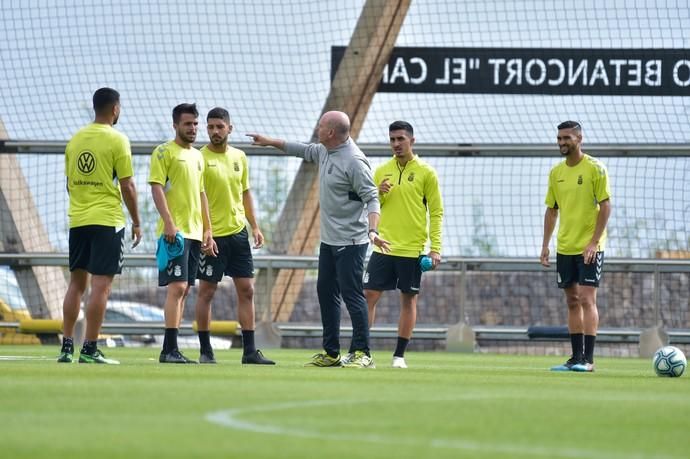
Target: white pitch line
231, 419
23, 357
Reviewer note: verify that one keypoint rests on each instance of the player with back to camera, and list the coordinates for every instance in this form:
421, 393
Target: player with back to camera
98, 166
579, 190
177, 187
226, 178
349, 217
409, 193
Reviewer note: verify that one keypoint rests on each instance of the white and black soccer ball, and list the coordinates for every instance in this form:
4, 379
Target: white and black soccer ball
669, 361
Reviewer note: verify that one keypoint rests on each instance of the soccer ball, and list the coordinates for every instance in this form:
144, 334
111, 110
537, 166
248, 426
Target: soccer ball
669, 361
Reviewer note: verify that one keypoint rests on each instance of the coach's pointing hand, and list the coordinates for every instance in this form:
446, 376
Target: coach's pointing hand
264, 141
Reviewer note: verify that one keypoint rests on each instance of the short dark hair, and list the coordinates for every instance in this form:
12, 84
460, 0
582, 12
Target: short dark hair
104, 98
570, 125
404, 125
184, 108
219, 112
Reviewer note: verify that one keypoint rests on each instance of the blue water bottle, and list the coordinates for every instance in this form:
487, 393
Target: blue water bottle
426, 263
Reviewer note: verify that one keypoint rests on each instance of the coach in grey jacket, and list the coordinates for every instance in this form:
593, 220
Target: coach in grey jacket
349, 219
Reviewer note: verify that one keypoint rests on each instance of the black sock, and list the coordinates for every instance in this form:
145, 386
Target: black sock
205, 341
89, 347
67, 344
589, 348
577, 341
170, 340
248, 341
401, 346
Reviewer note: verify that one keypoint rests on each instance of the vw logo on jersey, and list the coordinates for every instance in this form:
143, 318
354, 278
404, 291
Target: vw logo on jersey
86, 162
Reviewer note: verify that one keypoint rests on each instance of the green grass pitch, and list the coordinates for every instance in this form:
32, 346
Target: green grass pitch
444, 405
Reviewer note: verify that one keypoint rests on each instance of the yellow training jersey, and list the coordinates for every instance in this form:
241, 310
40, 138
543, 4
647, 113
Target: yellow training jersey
95, 159
576, 192
404, 209
226, 177
181, 172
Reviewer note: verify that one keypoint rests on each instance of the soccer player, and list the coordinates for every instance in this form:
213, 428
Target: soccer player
226, 179
346, 194
409, 194
578, 189
98, 166
177, 186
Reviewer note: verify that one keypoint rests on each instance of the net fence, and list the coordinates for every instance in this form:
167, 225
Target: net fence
487, 68
492, 206
269, 62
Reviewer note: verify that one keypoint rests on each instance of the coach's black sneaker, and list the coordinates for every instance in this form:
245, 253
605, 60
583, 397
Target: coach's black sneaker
256, 358
568, 366
174, 356
207, 357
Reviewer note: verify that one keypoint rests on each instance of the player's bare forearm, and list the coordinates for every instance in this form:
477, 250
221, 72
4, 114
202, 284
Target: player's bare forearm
161, 204
205, 214
129, 196
248, 204
550, 218
592, 248
208, 244
602, 221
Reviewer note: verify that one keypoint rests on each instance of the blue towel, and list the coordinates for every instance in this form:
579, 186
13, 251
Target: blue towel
166, 251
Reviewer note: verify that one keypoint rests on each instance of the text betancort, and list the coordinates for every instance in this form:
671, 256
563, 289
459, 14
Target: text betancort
535, 71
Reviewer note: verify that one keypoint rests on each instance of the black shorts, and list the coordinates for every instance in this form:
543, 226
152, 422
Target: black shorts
572, 268
182, 268
388, 272
97, 249
234, 259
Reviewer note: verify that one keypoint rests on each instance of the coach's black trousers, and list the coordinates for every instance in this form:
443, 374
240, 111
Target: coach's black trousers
340, 276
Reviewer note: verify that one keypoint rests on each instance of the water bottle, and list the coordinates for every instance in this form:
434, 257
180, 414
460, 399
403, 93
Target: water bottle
426, 263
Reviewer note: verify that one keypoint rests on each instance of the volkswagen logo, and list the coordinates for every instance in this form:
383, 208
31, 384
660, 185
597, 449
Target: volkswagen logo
86, 163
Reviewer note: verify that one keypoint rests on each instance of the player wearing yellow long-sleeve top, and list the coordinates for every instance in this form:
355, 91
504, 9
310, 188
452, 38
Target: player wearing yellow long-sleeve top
411, 215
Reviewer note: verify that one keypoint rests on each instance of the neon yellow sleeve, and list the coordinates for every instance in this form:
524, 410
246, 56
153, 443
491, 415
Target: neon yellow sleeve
245, 173
122, 161
159, 165
602, 187
550, 200
432, 191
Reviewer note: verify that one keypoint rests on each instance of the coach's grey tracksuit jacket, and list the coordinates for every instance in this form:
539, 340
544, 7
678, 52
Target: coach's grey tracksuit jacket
347, 193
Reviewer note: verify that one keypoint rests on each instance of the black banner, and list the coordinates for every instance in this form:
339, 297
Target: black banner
653, 72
